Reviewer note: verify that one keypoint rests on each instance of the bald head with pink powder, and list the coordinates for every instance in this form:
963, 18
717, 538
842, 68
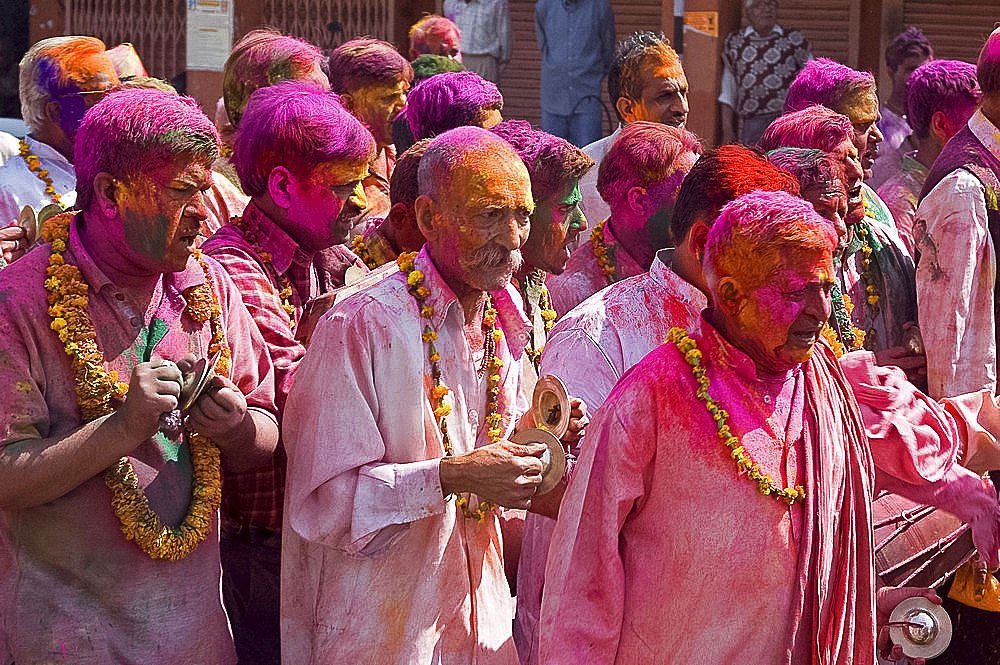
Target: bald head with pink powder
132, 131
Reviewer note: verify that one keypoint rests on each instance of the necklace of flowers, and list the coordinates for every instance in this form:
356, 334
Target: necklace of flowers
35, 166
744, 463
438, 391
548, 320
361, 249
601, 250
285, 292
97, 387
846, 337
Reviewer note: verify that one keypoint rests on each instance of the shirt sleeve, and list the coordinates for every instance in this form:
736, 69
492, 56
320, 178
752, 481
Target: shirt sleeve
582, 365
727, 90
955, 287
353, 480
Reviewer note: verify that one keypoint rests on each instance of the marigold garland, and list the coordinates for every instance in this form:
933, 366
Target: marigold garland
846, 337
97, 387
601, 250
548, 320
361, 249
285, 292
438, 391
744, 463
35, 166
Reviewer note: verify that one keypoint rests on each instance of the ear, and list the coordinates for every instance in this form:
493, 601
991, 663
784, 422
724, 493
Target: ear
425, 211
635, 197
699, 237
730, 296
941, 126
53, 112
397, 214
105, 192
626, 108
278, 183
347, 99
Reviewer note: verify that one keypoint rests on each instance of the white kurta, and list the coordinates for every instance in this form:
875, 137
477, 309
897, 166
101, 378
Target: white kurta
378, 566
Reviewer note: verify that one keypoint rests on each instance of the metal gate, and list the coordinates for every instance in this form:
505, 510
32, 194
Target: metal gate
328, 23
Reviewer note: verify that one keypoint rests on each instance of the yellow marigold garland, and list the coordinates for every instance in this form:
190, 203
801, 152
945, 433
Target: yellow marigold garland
438, 391
361, 249
744, 463
601, 249
548, 320
35, 166
97, 387
285, 292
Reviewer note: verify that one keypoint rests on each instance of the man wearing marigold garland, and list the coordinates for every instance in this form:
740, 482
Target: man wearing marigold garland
302, 157
395, 430
94, 477
639, 179
781, 460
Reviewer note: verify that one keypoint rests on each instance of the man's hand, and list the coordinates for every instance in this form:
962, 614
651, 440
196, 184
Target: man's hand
886, 600
219, 410
913, 364
13, 243
505, 473
152, 391
577, 423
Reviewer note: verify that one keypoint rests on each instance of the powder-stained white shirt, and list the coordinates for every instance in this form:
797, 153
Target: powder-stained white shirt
955, 277
19, 186
377, 565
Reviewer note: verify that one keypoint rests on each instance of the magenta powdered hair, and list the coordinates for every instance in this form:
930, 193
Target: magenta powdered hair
366, 61
828, 83
949, 86
757, 226
261, 58
988, 65
136, 130
643, 155
298, 126
449, 100
550, 160
812, 127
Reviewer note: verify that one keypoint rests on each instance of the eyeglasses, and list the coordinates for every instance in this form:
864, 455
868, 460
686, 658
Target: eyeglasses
81, 93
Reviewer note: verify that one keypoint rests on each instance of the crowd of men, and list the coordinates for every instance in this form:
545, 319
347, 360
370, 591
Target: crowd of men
263, 376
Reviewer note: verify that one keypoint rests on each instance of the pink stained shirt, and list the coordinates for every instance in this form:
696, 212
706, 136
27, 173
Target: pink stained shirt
662, 548
81, 591
583, 276
377, 565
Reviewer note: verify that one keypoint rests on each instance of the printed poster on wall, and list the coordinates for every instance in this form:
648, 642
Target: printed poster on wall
209, 34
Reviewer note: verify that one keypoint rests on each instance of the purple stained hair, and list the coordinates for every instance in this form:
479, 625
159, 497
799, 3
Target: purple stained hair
949, 86
137, 130
910, 42
430, 25
298, 126
828, 83
261, 58
449, 100
365, 61
746, 240
812, 127
988, 65
643, 155
550, 160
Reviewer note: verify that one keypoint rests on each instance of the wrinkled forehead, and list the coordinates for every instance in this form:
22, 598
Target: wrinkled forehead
862, 108
489, 177
663, 71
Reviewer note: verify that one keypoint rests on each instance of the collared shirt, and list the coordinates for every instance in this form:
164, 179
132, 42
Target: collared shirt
901, 192
375, 560
577, 41
79, 586
21, 187
583, 276
955, 278
255, 498
485, 26
589, 350
593, 207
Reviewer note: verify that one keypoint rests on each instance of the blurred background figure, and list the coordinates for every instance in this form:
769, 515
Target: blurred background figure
435, 35
486, 37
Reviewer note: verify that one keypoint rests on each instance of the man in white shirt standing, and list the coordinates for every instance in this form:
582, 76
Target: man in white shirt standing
486, 36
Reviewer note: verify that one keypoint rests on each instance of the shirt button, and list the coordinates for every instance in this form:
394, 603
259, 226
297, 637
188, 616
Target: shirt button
767, 399
136, 322
473, 415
